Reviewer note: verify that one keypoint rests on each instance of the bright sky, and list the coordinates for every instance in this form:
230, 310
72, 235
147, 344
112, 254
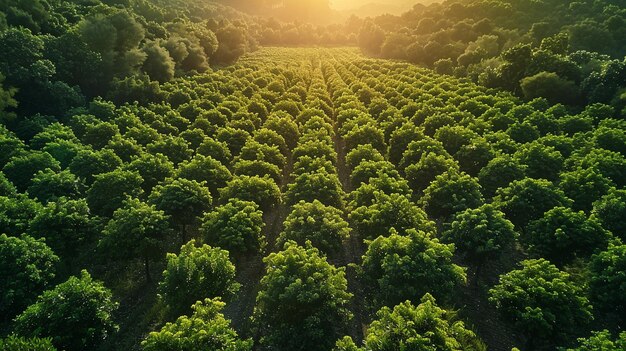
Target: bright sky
351, 4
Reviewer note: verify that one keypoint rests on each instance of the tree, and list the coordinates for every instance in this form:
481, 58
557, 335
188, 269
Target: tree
450, 193
205, 169
611, 210
29, 268
68, 227
413, 264
14, 343
362, 153
584, 187
386, 212
480, 234
21, 169
263, 191
153, 169
159, 65
541, 161
608, 279
235, 226
16, 212
76, 314
320, 185
183, 200
528, 199
542, 302
562, 235
601, 340
371, 38
206, 329
109, 190
302, 301
88, 164
322, 225
550, 86
421, 174
194, 274
423, 327
137, 230
49, 185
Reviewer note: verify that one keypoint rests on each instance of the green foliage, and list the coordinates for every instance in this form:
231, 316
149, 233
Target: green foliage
137, 230
206, 329
235, 226
608, 278
109, 190
322, 225
181, 199
413, 264
29, 268
386, 212
68, 226
450, 193
541, 301
528, 199
425, 326
76, 314
261, 190
562, 235
319, 185
481, 234
20, 170
302, 301
194, 274
14, 343
550, 86
601, 340
611, 211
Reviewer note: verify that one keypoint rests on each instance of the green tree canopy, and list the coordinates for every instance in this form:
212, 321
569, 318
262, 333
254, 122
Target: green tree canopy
562, 235
206, 329
194, 274
29, 268
137, 230
302, 302
413, 264
481, 234
542, 302
76, 314
235, 226
322, 225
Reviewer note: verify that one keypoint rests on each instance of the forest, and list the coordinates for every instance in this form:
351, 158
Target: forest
198, 175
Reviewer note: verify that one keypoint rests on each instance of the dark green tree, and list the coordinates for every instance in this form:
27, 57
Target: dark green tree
450, 193
562, 235
322, 225
76, 314
235, 226
194, 274
183, 200
413, 264
206, 329
29, 268
542, 302
109, 190
137, 230
481, 234
302, 301
608, 279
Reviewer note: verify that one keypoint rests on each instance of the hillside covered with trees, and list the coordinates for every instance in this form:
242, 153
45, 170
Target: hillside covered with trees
183, 175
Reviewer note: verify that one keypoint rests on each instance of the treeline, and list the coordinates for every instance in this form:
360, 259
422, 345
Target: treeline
55, 55
567, 52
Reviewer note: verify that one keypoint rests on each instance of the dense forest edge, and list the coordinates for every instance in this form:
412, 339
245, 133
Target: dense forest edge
224, 175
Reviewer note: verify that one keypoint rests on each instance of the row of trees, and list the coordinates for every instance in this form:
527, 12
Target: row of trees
430, 161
